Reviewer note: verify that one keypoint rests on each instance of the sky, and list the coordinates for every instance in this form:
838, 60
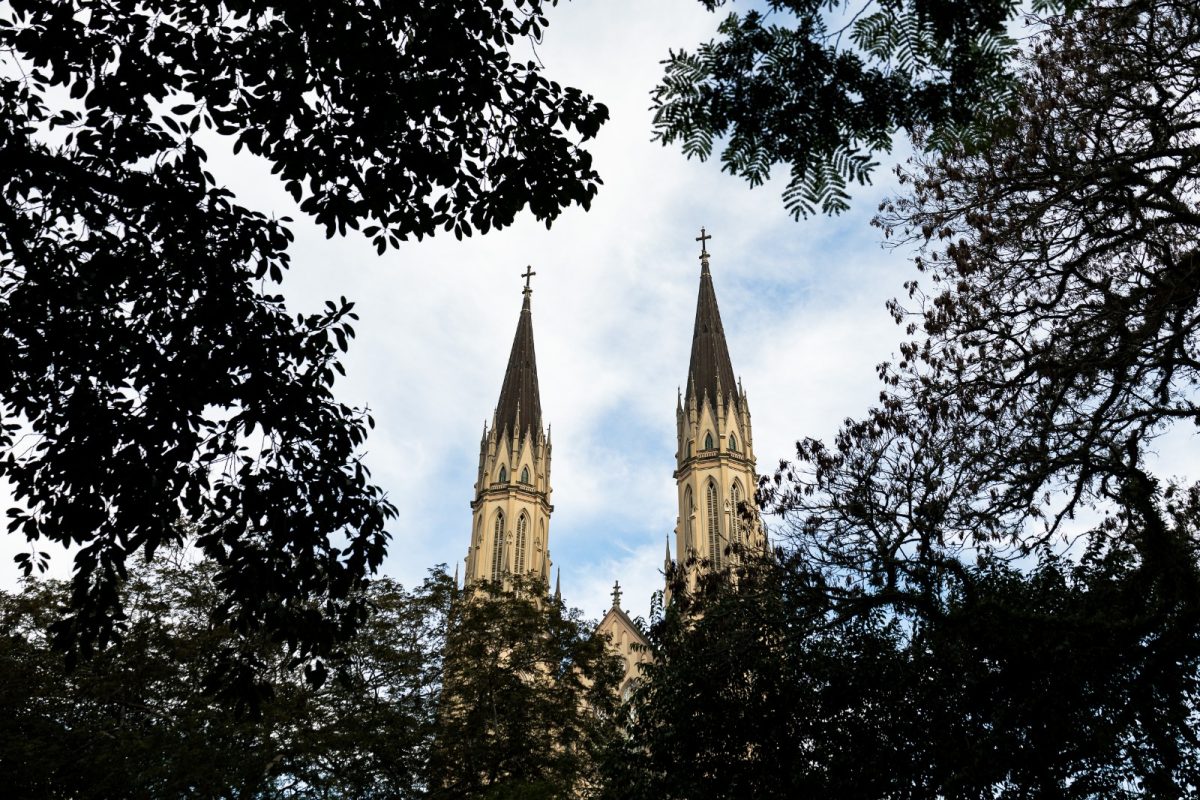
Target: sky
613, 305
803, 306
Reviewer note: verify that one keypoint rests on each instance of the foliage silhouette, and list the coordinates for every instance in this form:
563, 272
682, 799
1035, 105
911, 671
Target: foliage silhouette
1074, 679
148, 371
529, 699
983, 589
138, 721
407, 711
822, 95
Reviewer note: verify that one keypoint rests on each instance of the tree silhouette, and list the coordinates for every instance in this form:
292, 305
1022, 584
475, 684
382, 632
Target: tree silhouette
821, 94
148, 371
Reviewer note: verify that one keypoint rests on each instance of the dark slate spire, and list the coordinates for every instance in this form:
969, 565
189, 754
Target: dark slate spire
710, 355
519, 395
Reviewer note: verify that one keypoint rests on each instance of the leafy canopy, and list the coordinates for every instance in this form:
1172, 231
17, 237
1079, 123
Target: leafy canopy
824, 87
1053, 334
138, 721
148, 370
529, 698
1072, 679
983, 589
519, 688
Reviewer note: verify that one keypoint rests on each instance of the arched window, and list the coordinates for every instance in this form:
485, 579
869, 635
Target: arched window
732, 443
739, 525
498, 547
689, 510
473, 554
522, 527
708, 441
713, 507
524, 474
503, 475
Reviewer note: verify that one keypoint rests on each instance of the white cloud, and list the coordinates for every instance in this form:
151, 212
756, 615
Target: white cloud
613, 305
802, 304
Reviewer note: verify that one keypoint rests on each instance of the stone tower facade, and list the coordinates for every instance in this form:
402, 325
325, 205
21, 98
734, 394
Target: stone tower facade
510, 525
715, 469
715, 473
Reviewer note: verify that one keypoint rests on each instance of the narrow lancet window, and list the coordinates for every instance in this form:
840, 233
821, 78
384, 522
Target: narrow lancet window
524, 474
714, 526
689, 510
522, 527
498, 547
738, 525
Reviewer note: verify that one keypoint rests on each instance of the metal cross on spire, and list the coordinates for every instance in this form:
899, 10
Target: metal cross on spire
703, 240
616, 594
527, 274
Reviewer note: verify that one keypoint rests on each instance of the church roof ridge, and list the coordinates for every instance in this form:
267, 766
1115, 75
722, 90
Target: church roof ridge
520, 400
710, 368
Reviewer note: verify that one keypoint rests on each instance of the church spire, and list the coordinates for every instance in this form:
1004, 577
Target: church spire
715, 468
520, 402
710, 372
510, 525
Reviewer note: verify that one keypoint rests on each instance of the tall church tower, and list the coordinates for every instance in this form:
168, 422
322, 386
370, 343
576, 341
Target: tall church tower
510, 523
715, 470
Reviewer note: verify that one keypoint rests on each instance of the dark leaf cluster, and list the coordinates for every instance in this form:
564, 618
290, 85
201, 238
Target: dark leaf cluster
820, 86
983, 579
529, 700
148, 370
1061, 334
137, 721
441, 694
1060, 337
1072, 679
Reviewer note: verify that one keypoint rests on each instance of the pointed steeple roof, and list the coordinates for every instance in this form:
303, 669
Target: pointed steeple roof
710, 364
519, 396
